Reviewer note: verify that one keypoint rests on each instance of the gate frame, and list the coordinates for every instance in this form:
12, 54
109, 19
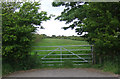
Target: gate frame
69, 50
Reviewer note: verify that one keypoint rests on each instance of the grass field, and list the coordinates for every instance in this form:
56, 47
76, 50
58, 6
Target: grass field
61, 42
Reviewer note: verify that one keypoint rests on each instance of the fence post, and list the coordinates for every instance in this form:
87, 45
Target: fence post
93, 55
61, 54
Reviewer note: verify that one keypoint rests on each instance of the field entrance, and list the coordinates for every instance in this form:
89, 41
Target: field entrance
61, 55
54, 52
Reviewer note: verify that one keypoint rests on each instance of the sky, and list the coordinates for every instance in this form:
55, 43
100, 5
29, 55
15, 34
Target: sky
53, 27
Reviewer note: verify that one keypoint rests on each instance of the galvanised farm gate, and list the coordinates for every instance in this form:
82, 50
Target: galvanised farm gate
77, 54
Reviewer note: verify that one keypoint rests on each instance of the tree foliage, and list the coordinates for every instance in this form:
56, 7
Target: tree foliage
100, 20
18, 24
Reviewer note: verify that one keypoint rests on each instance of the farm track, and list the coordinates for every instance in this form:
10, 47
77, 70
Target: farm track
62, 72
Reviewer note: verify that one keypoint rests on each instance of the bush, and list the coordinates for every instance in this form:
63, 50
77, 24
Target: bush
39, 37
7, 69
24, 64
30, 63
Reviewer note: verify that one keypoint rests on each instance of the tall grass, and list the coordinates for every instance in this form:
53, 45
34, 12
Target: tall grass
111, 66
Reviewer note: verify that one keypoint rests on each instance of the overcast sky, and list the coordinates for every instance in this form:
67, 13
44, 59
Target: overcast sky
53, 27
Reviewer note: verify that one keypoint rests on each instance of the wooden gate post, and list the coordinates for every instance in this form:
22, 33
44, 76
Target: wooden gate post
93, 55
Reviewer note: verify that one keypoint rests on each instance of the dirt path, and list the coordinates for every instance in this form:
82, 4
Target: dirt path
75, 72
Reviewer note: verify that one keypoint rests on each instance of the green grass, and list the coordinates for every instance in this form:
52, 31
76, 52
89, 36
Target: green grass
61, 42
58, 42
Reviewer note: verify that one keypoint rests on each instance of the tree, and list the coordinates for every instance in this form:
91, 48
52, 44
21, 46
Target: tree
18, 29
53, 36
100, 20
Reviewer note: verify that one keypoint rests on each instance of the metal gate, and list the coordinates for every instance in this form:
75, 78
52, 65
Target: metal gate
78, 54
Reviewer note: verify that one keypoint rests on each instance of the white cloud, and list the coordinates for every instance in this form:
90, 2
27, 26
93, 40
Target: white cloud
53, 27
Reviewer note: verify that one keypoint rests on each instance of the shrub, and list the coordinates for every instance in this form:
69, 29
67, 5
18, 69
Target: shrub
25, 64
6, 69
